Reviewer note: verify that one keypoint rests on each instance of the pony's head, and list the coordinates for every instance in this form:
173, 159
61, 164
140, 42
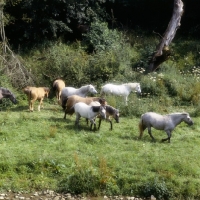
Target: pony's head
135, 87
13, 98
46, 90
102, 101
102, 112
138, 88
8, 94
187, 119
91, 89
116, 115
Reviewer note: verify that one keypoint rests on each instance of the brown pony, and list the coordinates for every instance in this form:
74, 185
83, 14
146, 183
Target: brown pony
111, 112
69, 102
36, 93
58, 85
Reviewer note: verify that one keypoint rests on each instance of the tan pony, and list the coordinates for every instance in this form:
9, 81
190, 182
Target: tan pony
36, 93
58, 85
69, 103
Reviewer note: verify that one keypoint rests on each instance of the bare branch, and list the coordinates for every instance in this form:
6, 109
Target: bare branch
10, 64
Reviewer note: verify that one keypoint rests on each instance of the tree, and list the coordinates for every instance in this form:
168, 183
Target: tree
10, 64
33, 21
163, 52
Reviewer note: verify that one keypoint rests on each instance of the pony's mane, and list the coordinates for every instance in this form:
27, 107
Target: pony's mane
132, 84
95, 108
179, 113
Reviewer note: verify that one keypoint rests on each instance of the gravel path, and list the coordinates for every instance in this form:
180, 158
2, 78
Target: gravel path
51, 195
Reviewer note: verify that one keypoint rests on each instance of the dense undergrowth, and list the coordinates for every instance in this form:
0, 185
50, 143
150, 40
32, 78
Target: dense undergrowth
41, 150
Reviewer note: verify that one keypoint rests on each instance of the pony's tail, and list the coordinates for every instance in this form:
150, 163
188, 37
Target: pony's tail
141, 128
102, 94
64, 102
55, 86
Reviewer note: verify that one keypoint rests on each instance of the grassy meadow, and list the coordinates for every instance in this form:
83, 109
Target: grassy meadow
41, 150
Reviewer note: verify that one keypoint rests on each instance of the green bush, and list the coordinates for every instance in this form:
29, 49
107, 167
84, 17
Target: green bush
101, 38
156, 187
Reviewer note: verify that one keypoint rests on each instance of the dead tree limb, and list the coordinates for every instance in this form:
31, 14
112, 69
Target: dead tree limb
163, 52
10, 65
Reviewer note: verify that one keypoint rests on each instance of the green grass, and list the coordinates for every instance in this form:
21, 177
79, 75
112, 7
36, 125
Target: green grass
41, 150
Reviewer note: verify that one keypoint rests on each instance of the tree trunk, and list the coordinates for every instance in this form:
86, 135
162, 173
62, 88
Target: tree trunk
163, 51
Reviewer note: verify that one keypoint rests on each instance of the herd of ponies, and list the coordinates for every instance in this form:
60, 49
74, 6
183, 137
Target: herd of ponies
76, 100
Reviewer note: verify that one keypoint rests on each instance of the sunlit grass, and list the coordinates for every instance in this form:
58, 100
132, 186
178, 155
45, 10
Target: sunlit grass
43, 149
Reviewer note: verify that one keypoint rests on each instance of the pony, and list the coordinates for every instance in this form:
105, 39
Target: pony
82, 91
69, 102
89, 112
121, 90
58, 85
5, 93
36, 93
163, 122
111, 112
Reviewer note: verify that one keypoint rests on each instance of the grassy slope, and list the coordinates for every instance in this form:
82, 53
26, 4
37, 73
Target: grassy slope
40, 149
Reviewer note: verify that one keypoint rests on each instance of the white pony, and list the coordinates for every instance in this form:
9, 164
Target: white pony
82, 91
121, 90
163, 122
89, 112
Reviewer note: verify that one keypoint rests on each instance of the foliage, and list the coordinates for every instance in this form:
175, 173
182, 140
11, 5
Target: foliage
101, 38
31, 22
39, 20
72, 63
156, 187
89, 180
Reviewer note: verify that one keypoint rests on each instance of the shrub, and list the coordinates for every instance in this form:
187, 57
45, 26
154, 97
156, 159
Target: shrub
101, 38
156, 187
86, 178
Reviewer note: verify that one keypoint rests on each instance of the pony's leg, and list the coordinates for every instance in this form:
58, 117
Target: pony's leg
102, 94
95, 127
77, 119
111, 126
40, 103
31, 105
65, 115
93, 123
149, 131
126, 100
59, 94
99, 123
169, 136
